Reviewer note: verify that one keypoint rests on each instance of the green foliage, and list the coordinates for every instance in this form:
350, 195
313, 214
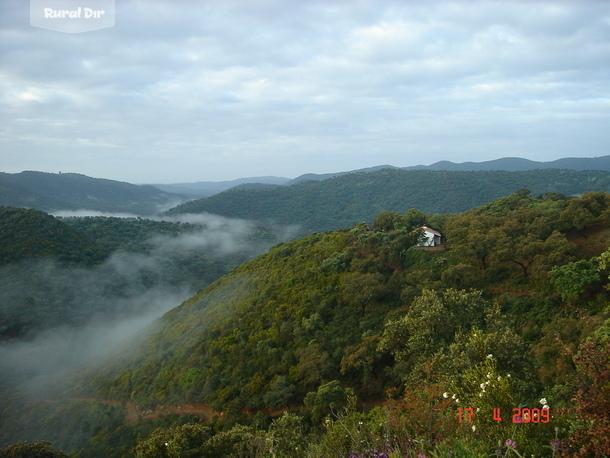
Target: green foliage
327, 396
39, 449
430, 326
318, 319
591, 428
182, 441
527, 233
573, 278
287, 436
348, 199
239, 441
28, 234
73, 191
57, 284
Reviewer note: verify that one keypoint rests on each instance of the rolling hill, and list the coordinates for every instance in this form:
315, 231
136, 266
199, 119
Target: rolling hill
496, 319
72, 191
28, 234
508, 164
351, 198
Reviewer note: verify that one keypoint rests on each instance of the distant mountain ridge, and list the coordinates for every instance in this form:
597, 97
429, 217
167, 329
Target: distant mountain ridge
516, 164
350, 198
209, 188
73, 191
509, 164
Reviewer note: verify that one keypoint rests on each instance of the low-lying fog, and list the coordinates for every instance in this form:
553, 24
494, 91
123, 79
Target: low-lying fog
66, 316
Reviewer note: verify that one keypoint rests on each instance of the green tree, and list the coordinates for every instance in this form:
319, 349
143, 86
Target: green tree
363, 289
431, 324
39, 449
585, 210
414, 218
572, 279
327, 397
474, 236
286, 436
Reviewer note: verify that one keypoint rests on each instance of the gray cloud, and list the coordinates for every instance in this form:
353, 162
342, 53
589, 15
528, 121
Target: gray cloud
187, 91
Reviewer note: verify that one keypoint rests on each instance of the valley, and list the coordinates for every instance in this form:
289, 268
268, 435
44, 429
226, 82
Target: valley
255, 336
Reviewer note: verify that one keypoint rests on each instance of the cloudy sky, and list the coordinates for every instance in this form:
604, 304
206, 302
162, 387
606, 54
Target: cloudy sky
214, 90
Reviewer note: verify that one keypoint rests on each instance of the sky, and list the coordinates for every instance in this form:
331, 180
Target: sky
212, 90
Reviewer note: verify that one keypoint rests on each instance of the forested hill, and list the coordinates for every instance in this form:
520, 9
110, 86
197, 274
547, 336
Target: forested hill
72, 191
349, 199
35, 234
512, 312
516, 164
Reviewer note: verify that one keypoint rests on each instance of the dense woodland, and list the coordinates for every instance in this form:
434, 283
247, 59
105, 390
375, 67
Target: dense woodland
73, 191
349, 199
355, 342
69, 271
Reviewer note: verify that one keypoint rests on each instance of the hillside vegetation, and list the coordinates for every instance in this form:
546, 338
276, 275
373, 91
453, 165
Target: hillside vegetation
377, 348
73, 191
70, 271
352, 198
26, 234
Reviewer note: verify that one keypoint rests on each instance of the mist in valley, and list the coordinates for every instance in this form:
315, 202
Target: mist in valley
54, 318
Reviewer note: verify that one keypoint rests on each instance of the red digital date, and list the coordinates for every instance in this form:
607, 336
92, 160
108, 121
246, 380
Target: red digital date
531, 415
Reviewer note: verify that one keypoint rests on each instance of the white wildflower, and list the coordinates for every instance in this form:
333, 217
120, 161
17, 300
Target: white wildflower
482, 385
490, 356
543, 401
445, 395
545, 407
457, 400
474, 428
453, 396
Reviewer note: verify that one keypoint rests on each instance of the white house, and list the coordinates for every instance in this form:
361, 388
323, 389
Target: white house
432, 237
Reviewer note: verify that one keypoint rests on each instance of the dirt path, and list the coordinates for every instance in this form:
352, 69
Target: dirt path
133, 413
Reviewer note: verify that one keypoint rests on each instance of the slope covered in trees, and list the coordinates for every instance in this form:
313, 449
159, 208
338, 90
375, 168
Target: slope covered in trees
34, 234
69, 271
349, 199
512, 313
73, 191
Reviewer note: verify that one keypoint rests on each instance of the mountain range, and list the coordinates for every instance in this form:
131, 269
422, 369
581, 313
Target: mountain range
73, 191
510, 164
348, 199
512, 309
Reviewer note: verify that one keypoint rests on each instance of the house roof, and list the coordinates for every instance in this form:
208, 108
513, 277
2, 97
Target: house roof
431, 231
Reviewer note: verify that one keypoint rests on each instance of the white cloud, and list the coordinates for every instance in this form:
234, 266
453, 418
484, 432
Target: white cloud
187, 91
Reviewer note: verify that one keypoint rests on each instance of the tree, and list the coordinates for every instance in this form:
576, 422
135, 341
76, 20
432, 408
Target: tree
279, 393
431, 324
473, 236
362, 359
39, 449
388, 221
572, 279
287, 436
585, 210
591, 430
363, 289
524, 247
414, 218
327, 396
